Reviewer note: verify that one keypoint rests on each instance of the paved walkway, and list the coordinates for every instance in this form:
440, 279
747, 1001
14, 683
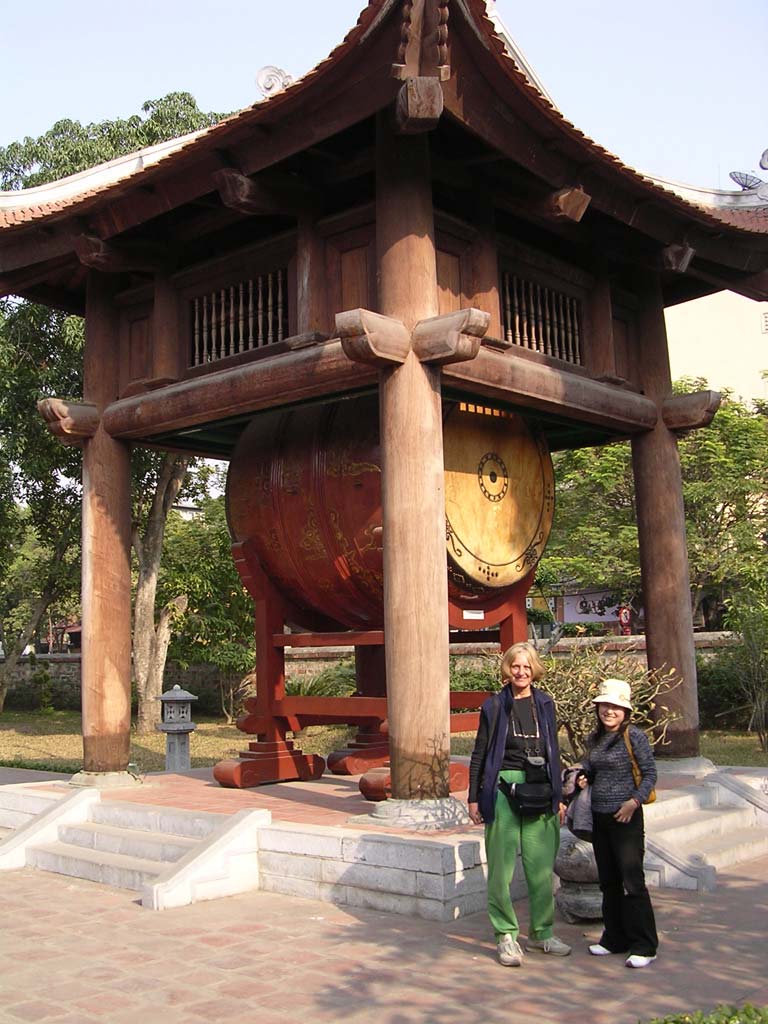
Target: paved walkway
77, 952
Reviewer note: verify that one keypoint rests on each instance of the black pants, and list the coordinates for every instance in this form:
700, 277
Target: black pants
628, 922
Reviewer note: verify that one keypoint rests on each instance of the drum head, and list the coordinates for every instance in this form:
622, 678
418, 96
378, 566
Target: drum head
499, 496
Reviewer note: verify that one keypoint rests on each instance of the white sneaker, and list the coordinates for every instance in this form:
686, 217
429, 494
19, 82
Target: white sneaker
510, 953
597, 950
635, 960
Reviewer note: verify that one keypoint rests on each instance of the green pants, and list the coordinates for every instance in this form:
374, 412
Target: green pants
538, 840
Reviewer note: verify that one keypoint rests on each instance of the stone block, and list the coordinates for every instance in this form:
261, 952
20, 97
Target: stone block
310, 840
369, 876
290, 865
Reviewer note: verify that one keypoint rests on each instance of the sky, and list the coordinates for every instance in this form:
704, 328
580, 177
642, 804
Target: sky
672, 87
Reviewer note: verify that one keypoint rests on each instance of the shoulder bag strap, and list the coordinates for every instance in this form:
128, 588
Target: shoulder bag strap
636, 773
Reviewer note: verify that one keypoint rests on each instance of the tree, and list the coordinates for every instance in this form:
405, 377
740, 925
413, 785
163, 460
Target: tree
218, 627
41, 354
725, 491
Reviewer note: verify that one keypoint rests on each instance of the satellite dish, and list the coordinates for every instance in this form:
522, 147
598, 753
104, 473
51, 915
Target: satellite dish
746, 180
764, 160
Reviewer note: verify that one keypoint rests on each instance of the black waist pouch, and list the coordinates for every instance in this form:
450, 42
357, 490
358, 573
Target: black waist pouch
534, 796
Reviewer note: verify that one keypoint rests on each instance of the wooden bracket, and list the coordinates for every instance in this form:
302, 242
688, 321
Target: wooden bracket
452, 337
689, 412
676, 257
127, 257
261, 198
419, 105
568, 203
368, 337
71, 422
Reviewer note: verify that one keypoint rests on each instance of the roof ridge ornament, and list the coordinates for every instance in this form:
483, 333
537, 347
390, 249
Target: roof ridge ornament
271, 80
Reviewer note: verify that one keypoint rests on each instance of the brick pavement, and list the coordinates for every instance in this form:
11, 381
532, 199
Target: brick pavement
73, 952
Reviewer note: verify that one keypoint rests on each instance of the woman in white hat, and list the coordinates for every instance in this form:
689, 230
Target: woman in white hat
618, 836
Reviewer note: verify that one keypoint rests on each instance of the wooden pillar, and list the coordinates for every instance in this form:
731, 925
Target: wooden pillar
106, 571
413, 500
661, 532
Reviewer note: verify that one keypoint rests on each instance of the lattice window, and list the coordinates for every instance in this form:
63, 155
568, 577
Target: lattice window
541, 318
250, 314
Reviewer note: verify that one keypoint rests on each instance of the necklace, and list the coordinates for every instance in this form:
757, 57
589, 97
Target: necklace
518, 729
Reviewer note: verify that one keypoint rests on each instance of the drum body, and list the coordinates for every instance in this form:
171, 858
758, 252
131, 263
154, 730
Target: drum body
304, 488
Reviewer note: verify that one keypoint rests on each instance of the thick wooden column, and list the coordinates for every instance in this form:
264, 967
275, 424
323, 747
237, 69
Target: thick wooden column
413, 501
661, 532
106, 572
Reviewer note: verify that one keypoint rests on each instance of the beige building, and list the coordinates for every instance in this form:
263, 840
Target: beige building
723, 338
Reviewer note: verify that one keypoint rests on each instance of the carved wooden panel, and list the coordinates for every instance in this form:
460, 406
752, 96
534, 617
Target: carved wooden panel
351, 269
135, 355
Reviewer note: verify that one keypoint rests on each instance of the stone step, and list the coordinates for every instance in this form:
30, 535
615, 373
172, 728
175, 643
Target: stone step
115, 869
138, 843
681, 830
4, 832
673, 802
148, 818
733, 847
20, 805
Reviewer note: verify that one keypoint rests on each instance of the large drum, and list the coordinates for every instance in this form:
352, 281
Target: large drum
304, 487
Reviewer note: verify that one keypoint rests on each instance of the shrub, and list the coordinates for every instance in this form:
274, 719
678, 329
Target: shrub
747, 1014
573, 682
334, 681
481, 676
722, 704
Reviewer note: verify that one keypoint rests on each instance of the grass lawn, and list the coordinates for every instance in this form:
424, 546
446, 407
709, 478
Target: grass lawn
51, 741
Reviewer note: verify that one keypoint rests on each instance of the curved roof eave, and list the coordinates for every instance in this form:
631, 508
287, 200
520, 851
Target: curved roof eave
24, 207
80, 192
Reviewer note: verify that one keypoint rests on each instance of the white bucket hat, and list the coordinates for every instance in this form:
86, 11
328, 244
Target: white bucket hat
614, 691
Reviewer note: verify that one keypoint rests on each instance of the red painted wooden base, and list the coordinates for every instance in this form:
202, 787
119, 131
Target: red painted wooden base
268, 762
369, 749
376, 784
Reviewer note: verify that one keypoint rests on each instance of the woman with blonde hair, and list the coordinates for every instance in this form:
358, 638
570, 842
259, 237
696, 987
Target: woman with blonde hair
515, 790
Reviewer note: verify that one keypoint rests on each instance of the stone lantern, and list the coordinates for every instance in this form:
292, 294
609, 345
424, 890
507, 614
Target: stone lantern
177, 724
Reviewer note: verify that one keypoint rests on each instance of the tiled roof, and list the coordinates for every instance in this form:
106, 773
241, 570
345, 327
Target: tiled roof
77, 194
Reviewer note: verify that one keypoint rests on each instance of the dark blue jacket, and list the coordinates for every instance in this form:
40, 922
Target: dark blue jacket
496, 711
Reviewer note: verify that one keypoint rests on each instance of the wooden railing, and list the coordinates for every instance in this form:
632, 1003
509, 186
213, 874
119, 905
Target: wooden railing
541, 318
240, 317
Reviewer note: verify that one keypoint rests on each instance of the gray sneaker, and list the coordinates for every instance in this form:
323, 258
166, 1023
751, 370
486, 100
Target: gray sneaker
552, 945
510, 953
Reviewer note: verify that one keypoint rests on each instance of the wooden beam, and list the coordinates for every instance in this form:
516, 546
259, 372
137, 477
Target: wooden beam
529, 385
307, 373
123, 257
419, 105
689, 412
569, 203
71, 422
371, 338
256, 198
676, 257
450, 338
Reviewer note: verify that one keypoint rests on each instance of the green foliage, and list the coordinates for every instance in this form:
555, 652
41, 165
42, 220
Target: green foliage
573, 681
197, 561
333, 681
748, 616
722, 704
574, 629
747, 1014
69, 147
481, 676
725, 490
